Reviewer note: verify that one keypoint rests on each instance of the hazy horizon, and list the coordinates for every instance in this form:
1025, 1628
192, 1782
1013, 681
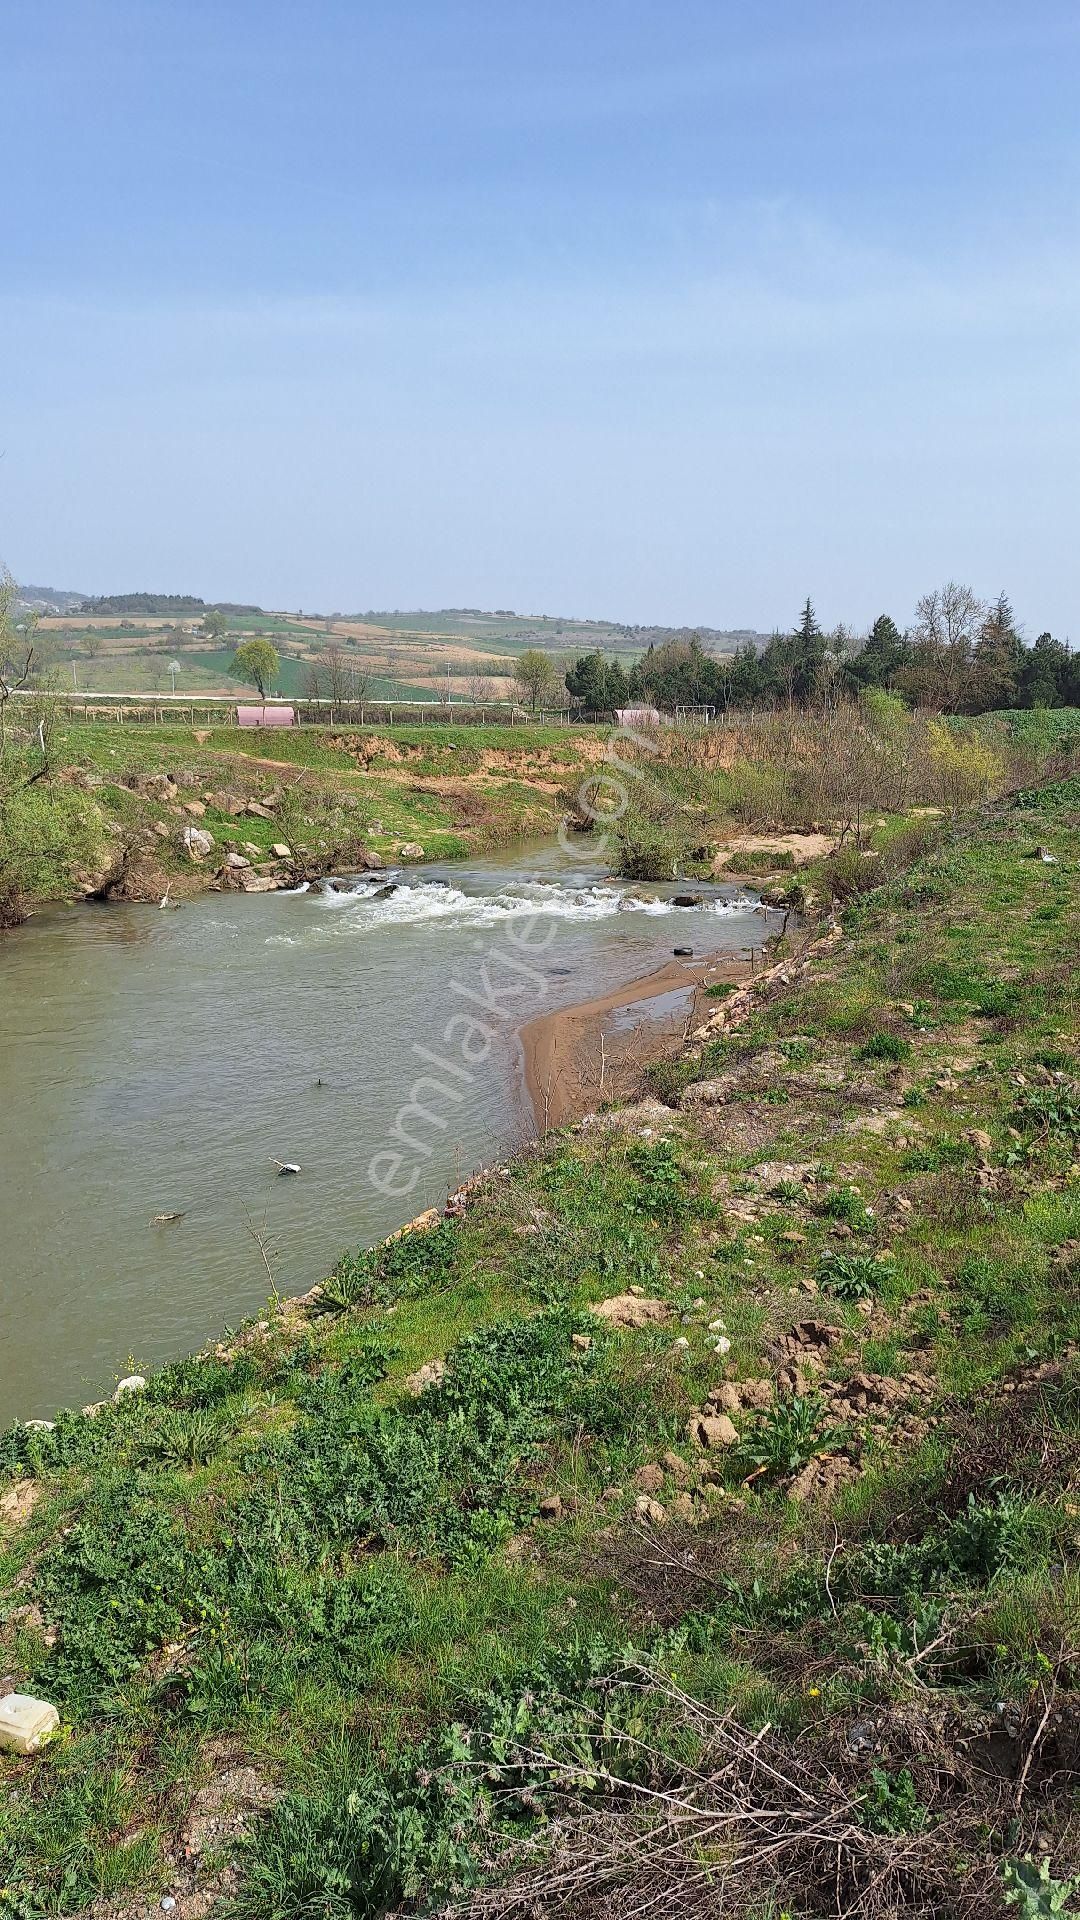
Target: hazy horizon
663, 315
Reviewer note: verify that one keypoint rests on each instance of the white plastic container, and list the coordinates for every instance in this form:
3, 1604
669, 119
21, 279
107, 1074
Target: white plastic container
25, 1723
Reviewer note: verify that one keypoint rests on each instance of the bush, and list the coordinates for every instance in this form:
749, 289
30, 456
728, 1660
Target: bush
966, 765
854, 1276
784, 1439
885, 1046
412, 1264
47, 834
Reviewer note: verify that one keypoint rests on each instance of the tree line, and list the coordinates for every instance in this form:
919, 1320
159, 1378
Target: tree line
961, 656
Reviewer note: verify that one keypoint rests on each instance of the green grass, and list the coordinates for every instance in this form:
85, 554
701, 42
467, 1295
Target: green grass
283, 1555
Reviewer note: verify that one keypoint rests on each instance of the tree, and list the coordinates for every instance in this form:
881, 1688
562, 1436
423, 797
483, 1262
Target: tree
337, 670
1045, 674
942, 664
882, 655
257, 663
534, 676
214, 624
809, 652
594, 685
998, 659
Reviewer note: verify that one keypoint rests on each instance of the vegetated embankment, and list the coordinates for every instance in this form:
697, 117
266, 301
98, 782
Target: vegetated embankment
687, 1520
137, 812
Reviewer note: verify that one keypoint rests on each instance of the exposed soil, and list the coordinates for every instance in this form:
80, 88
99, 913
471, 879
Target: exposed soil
573, 1059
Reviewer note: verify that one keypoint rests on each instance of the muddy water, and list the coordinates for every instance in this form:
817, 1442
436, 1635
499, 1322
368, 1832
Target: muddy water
162, 1062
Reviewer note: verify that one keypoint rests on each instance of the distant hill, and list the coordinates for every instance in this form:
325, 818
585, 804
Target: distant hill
501, 630
168, 603
558, 633
49, 600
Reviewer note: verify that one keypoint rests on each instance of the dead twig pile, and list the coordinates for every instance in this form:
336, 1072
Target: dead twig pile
750, 1816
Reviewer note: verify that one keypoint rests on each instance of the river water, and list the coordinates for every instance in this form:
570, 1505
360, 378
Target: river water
163, 1062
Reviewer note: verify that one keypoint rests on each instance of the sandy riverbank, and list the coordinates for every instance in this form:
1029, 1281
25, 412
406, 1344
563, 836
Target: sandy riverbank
576, 1057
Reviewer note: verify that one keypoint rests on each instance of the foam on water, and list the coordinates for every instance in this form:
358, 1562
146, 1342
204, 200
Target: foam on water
364, 906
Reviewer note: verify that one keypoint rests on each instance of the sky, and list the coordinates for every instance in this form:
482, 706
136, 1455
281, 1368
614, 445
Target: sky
653, 310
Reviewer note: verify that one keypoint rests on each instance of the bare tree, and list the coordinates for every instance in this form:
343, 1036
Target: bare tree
942, 668
337, 668
18, 653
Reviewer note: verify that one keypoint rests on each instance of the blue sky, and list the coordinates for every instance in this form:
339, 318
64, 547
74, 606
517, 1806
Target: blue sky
674, 311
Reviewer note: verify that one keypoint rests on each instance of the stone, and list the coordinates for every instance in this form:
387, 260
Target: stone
25, 1723
161, 829
236, 861
687, 899
155, 786
758, 1395
281, 851
651, 1510
550, 1507
131, 1383
196, 808
582, 1341
259, 883
198, 842
650, 1478
39, 1426
980, 1140
678, 1468
683, 953
412, 850
257, 812
727, 1397
686, 1509
429, 1375
630, 1310
713, 1430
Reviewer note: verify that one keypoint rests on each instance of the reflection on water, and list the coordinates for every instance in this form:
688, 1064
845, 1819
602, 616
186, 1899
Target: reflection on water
172, 1076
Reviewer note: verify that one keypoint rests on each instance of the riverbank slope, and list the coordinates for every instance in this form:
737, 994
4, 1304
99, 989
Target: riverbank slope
688, 1516
130, 812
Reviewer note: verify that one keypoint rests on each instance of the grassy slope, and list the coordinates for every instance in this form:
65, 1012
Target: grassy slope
277, 1558
453, 790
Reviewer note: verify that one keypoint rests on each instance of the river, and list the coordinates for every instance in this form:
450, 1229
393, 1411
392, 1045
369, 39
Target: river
163, 1062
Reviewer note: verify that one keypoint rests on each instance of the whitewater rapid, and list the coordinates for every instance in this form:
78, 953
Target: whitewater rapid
369, 902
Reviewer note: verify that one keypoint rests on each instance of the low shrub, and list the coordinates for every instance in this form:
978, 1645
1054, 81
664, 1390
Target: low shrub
411, 1264
886, 1046
854, 1276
